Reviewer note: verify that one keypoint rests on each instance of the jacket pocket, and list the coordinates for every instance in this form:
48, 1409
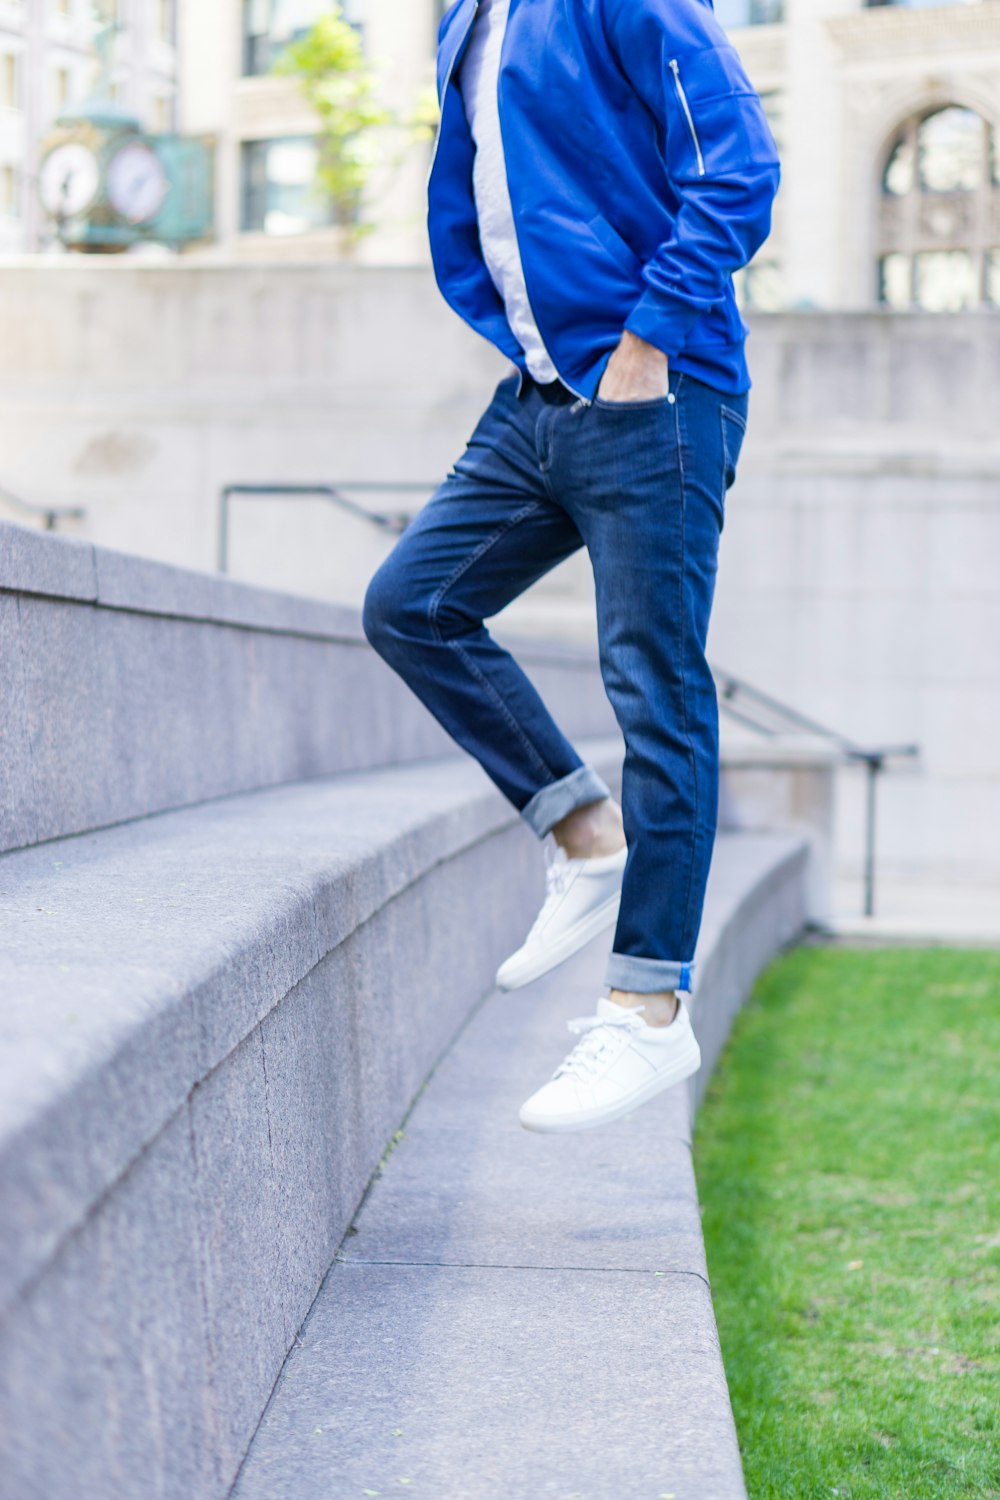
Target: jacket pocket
613, 243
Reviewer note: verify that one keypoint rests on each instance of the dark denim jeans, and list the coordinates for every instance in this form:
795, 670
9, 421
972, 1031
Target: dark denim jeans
641, 484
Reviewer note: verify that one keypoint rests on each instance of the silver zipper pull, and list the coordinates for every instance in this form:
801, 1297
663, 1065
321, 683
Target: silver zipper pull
675, 68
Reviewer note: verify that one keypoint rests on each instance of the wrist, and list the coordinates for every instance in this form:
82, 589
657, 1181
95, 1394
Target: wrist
636, 371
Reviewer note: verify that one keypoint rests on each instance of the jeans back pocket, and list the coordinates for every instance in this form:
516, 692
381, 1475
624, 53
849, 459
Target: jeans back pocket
734, 426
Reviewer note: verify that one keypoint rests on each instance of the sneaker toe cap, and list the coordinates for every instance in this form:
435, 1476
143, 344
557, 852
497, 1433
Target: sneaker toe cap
555, 1101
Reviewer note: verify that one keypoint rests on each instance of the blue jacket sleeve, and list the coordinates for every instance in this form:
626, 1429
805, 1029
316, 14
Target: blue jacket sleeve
721, 160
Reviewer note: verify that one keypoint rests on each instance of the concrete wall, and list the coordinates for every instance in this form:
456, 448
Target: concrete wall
858, 575
131, 688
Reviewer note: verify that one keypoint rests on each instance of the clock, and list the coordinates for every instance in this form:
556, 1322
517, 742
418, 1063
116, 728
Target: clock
69, 180
137, 184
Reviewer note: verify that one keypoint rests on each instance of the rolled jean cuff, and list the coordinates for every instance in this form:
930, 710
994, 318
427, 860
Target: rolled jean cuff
553, 802
646, 976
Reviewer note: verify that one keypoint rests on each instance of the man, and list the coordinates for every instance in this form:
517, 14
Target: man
602, 168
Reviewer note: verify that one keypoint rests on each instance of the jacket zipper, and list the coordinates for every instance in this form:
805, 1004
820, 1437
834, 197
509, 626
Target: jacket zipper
447, 80
675, 68
581, 398
520, 381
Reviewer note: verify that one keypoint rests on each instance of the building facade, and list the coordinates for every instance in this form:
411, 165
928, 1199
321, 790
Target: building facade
48, 64
267, 204
887, 116
888, 119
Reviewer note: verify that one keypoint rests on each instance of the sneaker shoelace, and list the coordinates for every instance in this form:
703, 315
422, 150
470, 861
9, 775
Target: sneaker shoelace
596, 1036
557, 878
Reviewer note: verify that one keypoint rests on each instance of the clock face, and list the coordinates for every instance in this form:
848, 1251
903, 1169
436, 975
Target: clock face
137, 184
69, 180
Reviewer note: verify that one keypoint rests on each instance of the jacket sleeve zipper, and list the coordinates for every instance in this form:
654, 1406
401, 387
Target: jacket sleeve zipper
685, 106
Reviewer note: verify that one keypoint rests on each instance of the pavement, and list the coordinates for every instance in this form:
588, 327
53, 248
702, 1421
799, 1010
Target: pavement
512, 1315
964, 913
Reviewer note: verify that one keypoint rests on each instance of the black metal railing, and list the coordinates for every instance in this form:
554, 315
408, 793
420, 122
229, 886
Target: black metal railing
769, 717
50, 515
392, 521
759, 711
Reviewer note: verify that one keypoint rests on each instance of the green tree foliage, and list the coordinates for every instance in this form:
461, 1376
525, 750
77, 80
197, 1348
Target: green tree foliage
355, 132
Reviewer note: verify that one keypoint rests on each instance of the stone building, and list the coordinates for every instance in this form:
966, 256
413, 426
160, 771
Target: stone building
48, 64
266, 156
887, 116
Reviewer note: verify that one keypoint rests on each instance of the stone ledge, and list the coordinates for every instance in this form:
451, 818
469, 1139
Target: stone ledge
37, 563
140, 957
134, 688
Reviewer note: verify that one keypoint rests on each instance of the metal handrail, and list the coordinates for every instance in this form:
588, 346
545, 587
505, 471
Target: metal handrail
771, 717
392, 521
759, 711
50, 514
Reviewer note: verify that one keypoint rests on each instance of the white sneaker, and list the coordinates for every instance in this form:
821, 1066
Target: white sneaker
581, 899
618, 1064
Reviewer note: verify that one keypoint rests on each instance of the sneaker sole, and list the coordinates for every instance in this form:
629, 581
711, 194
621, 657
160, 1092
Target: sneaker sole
514, 976
685, 1066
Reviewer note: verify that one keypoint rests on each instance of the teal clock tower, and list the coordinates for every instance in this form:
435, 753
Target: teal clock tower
107, 184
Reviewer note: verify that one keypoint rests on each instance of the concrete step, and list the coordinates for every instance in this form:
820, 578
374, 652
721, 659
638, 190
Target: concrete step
514, 1315
211, 1021
131, 687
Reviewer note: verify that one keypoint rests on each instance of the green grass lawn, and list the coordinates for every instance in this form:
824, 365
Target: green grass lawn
848, 1158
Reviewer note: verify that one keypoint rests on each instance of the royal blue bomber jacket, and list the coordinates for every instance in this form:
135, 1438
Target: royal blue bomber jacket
641, 172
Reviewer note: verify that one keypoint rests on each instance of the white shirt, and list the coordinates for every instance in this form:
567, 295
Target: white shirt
478, 79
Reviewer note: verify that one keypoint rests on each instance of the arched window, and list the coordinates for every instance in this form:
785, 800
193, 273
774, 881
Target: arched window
939, 218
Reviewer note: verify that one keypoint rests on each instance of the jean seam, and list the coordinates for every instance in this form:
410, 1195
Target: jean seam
684, 643
456, 646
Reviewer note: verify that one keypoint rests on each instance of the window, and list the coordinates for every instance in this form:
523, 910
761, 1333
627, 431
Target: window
773, 104
269, 26
896, 281
162, 113
940, 192
945, 280
164, 19
993, 278
749, 12
760, 286
10, 81
951, 152
62, 88
280, 193
8, 192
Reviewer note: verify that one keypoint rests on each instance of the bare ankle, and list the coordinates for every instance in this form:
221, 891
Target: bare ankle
591, 831
657, 1010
